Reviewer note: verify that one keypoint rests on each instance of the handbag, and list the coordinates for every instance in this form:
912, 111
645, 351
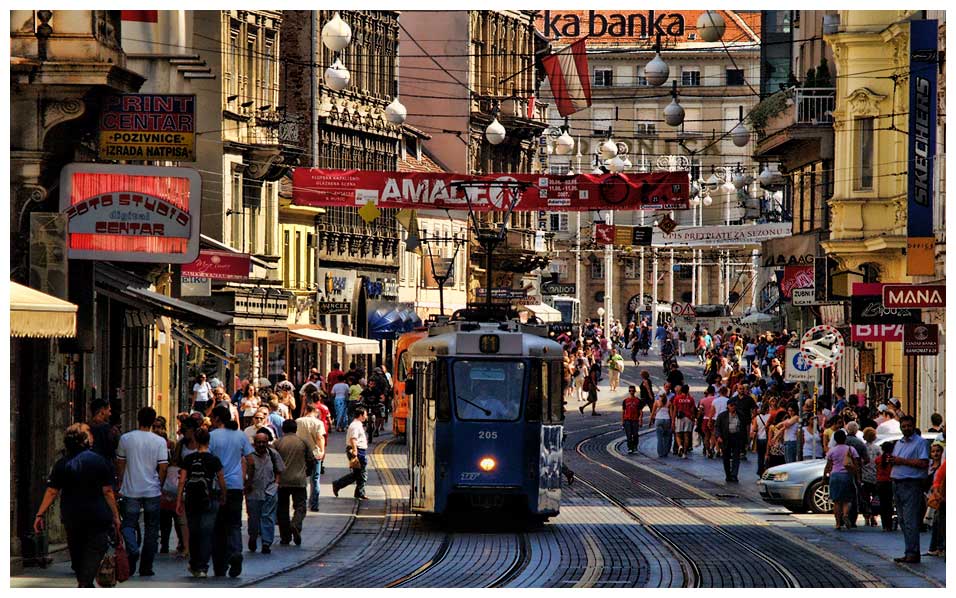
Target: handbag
935, 499
122, 561
355, 463
849, 463
171, 483
106, 574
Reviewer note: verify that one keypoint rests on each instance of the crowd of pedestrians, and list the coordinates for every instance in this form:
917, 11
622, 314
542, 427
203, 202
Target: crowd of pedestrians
878, 465
261, 449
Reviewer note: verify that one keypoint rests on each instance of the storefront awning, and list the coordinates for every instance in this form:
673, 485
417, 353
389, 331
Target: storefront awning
388, 320
37, 315
194, 339
354, 345
545, 313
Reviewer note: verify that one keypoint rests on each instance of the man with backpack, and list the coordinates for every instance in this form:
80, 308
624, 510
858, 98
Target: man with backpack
202, 489
261, 493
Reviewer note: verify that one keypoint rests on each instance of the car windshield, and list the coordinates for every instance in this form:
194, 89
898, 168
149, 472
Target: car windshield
488, 390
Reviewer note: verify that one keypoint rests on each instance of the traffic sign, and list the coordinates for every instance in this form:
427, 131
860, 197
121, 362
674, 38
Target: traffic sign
822, 346
797, 369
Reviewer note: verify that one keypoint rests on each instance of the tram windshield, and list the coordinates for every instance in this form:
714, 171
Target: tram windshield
488, 390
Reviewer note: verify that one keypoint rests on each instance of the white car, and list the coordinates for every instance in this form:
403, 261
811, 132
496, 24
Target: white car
799, 486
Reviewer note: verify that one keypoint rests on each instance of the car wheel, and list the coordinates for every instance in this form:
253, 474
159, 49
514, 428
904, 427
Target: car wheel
818, 498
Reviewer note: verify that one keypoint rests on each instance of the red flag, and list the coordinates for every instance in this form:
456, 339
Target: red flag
570, 82
531, 107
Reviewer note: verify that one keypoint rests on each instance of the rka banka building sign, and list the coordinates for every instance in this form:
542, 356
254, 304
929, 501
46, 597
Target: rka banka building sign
607, 24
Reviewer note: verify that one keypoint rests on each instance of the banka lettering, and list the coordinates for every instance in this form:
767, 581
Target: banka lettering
630, 24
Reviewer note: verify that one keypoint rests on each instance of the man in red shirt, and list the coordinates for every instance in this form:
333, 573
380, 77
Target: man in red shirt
707, 426
631, 418
334, 377
684, 411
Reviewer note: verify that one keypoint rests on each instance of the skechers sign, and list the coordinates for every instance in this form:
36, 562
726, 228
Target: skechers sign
920, 254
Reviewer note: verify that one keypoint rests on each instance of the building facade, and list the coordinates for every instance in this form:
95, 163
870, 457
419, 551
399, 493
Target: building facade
714, 82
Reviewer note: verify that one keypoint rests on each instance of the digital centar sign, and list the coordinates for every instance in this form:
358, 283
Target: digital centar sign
131, 213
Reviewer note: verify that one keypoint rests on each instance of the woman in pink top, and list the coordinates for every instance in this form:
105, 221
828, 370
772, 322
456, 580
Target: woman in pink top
842, 490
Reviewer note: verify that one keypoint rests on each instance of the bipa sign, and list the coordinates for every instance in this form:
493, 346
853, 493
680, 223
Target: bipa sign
901, 296
885, 333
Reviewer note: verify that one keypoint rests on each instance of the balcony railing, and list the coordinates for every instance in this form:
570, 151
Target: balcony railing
814, 105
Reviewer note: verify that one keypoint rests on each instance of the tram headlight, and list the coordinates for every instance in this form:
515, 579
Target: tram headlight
487, 464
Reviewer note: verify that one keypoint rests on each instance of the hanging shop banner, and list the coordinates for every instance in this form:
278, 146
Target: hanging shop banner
142, 126
795, 250
914, 295
127, 213
707, 236
604, 234
920, 242
336, 285
921, 339
641, 236
318, 187
876, 333
219, 265
870, 310
796, 277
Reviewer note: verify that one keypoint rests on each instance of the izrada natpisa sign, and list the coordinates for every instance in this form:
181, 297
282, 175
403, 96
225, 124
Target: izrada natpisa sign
920, 242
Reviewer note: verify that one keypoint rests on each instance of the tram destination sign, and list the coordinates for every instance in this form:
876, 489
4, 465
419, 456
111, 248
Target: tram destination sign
903, 296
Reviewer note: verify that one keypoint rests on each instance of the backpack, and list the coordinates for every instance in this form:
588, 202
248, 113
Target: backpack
197, 489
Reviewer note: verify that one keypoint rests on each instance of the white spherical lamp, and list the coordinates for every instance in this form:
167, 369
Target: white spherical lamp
656, 72
564, 144
597, 170
336, 34
396, 113
600, 312
711, 26
728, 186
674, 113
694, 201
740, 180
740, 135
615, 164
608, 149
495, 133
708, 200
337, 77
628, 164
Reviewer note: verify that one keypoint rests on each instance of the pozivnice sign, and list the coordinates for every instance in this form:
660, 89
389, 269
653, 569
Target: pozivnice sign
142, 127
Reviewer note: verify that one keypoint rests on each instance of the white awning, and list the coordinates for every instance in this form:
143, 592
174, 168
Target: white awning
34, 314
354, 345
545, 312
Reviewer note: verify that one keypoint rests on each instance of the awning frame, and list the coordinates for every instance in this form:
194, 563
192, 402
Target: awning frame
353, 345
35, 314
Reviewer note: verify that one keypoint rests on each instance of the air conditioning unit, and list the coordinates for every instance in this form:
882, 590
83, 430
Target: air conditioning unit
831, 24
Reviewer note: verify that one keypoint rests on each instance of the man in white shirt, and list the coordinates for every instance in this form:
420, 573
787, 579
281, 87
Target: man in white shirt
890, 427
355, 447
311, 429
141, 461
720, 403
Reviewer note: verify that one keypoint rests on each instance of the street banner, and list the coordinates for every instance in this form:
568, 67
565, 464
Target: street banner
142, 126
125, 213
920, 242
318, 187
921, 339
796, 277
914, 295
219, 265
797, 369
708, 236
603, 234
569, 77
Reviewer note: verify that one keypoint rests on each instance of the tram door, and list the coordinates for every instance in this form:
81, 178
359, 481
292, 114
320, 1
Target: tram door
418, 457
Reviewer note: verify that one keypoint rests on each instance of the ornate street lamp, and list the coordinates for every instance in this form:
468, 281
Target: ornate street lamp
495, 133
336, 35
711, 26
674, 112
337, 77
657, 72
740, 134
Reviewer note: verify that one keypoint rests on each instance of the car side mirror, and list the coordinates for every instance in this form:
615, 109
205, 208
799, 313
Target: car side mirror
410, 387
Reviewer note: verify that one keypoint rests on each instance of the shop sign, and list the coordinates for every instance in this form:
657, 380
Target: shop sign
822, 346
142, 126
923, 73
195, 286
666, 224
876, 333
797, 369
335, 284
603, 234
219, 265
870, 310
641, 236
557, 288
331, 308
898, 296
614, 25
795, 250
320, 187
796, 277
706, 236
124, 213
503, 293
921, 339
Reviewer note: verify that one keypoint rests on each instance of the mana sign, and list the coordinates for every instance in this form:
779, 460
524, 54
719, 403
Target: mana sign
901, 296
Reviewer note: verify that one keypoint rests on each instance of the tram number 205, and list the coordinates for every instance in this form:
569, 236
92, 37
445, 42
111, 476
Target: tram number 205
487, 434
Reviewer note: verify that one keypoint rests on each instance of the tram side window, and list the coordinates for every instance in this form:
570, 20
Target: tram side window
488, 390
556, 392
403, 367
537, 394
443, 397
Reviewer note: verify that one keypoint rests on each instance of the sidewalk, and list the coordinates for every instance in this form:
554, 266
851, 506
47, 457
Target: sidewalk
318, 532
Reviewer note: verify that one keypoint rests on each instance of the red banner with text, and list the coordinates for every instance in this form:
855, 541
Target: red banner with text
573, 193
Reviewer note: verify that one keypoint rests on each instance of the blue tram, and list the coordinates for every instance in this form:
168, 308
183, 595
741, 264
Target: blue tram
485, 419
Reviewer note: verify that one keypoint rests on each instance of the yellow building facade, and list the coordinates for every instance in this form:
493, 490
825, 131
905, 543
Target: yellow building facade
871, 50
